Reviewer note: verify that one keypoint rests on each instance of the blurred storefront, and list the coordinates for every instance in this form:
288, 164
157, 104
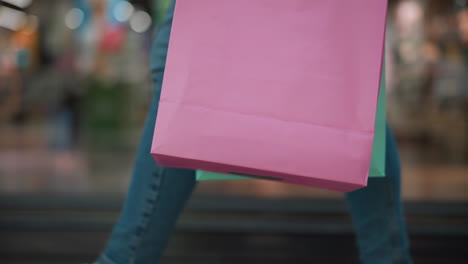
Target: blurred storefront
428, 88
75, 86
75, 83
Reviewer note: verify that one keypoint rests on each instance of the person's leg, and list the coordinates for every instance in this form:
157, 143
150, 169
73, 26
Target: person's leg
377, 214
156, 194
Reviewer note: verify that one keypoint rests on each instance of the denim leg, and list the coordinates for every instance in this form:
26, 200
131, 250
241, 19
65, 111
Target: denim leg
156, 197
156, 194
377, 214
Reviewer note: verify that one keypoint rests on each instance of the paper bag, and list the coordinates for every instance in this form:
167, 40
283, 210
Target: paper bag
273, 89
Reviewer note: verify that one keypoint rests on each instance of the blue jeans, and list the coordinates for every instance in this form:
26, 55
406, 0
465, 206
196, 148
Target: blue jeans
158, 194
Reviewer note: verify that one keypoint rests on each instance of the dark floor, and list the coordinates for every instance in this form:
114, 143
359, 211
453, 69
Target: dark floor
66, 230
60, 208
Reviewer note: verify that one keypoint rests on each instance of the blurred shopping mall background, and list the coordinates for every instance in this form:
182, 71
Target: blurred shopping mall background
74, 90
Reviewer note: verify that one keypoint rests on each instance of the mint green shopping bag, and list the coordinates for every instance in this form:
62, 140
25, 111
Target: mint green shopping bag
377, 168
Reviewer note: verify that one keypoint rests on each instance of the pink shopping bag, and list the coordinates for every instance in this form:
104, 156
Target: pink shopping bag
273, 88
